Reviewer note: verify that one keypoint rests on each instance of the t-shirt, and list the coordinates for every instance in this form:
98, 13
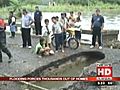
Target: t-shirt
38, 46
71, 17
64, 22
26, 20
77, 26
12, 20
46, 30
2, 24
57, 28
37, 16
97, 21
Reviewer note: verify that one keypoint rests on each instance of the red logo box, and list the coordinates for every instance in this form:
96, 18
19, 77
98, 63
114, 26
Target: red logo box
104, 70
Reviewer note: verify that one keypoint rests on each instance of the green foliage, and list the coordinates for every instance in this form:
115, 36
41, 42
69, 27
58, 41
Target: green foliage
75, 2
32, 2
4, 3
86, 2
16, 4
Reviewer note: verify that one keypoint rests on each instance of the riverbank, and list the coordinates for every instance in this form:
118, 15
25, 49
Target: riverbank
76, 8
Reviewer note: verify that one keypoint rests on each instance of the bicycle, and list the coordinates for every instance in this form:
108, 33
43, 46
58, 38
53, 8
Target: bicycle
70, 40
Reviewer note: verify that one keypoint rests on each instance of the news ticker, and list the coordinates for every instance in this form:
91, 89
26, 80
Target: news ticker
89, 79
103, 76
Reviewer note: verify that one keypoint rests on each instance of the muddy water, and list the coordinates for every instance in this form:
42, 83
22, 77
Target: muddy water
71, 69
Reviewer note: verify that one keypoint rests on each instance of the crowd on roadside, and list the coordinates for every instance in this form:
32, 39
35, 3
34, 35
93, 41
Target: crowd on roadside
59, 29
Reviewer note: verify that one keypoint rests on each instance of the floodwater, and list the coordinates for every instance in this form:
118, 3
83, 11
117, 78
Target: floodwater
112, 20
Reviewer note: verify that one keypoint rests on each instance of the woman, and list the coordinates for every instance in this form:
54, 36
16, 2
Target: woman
12, 24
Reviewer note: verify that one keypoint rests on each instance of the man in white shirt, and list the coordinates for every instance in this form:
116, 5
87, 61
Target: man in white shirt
26, 29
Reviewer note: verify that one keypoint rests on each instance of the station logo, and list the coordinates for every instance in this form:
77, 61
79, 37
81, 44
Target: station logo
104, 74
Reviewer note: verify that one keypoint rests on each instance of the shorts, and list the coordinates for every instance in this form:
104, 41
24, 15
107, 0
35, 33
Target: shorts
47, 39
78, 35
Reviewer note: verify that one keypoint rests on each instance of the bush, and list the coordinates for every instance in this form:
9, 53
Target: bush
85, 2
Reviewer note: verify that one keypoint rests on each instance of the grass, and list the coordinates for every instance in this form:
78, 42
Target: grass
76, 8
61, 8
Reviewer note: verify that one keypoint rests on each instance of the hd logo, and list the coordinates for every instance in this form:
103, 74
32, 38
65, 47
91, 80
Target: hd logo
104, 74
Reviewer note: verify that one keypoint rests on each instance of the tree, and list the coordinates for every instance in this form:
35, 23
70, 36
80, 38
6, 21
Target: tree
16, 4
4, 3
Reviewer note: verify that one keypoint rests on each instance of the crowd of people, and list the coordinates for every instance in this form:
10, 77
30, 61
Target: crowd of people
59, 28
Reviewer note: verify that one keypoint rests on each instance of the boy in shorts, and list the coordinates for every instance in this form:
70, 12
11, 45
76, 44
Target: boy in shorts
47, 32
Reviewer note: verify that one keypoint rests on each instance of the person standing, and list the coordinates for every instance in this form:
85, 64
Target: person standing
72, 15
77, 26
26, 29
57, 31
71, 20
79, 15
37, 19
12, 24
47, 32
97, 26
64, 23
3, 47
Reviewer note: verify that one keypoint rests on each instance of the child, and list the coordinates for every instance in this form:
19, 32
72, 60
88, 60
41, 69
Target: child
71, 20
79, 15
47, 33
64, 23
77, 26
57, 31
72, 16
57, 18
42, 50
12, 24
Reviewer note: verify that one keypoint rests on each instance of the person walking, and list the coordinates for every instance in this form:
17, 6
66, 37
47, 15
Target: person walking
26, 29
97, 26
3, 47
37, 21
